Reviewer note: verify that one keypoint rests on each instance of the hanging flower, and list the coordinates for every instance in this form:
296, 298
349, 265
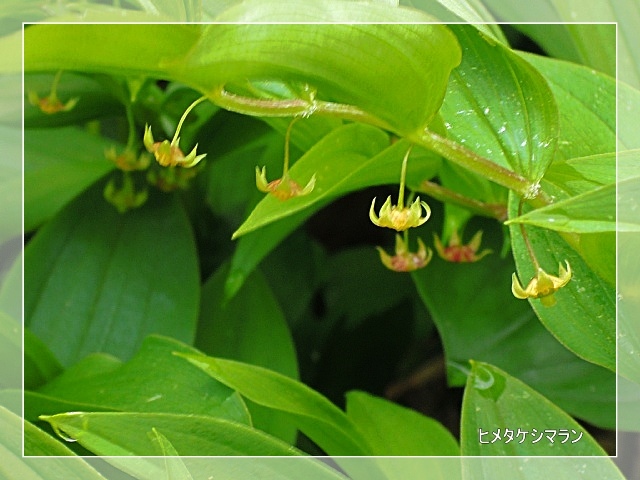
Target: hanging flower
543, 285
456, 252
169, 154
404, 260
398, 217
283, 188
51, 104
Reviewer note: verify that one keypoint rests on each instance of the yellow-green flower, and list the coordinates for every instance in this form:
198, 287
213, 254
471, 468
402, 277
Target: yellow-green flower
173, 178
169, 154
543, 285
51, 104
283, 188
456, 252
399, 217
404, 260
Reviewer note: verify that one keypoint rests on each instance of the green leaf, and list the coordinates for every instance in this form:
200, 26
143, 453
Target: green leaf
391, 429
500, 106
494, 400
96, 280
314, 415
135, 386
594, 211
581, 175
175, 467
583, 318
340, 61
467, 11
250, 328
479, 319
586, 100
593, 45
59, 164
120, 434
15, 466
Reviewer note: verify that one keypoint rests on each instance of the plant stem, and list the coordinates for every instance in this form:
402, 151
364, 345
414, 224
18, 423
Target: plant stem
425, 138
287, 139
403, 176
492, 210
527, 242
184, 116
132, 127
54, 86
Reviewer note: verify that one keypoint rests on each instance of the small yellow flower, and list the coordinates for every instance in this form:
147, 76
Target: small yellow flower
125, 197
169, 154
404, 260
51, 104
283, 188
399, 217
128, 160
456, 252
543, 285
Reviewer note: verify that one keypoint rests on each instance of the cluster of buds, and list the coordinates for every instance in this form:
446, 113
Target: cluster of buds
128, 160
124, 197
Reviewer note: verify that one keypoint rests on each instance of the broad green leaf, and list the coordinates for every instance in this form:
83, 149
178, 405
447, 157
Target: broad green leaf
250, 328
581, 175
494, 402
500, 106
583, 318
532, 468
256, 245
573, 14
586, 100
40, 365
59, 164
15, 466
594, 211
340, 61
468, 11
593, 45
98, 281
137, 386
314, 415
120, 434
479, 319
393, 430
